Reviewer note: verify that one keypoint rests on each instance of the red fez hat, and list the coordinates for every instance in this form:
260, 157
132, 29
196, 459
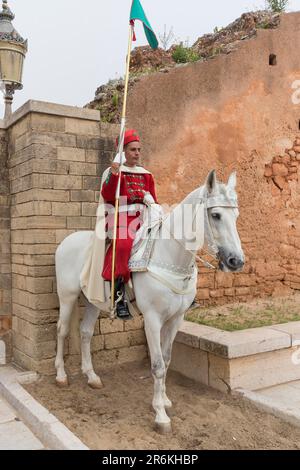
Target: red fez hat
130, 136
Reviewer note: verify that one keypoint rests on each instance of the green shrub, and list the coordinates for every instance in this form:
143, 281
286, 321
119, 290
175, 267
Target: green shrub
183, 54
277, 6
115, 100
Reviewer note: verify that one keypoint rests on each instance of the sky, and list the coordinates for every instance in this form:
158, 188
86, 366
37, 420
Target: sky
74, 46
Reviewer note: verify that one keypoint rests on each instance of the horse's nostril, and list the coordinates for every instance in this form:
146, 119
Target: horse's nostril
235, 263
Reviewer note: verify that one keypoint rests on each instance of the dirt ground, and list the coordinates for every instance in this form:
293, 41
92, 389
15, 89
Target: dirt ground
253, 314
119, 416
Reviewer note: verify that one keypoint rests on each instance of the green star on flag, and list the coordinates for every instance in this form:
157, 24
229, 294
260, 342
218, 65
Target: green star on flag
137, 13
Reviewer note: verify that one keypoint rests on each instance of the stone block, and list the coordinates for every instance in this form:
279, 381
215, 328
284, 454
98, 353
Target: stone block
206, 281
84, 169
38, 351
229, 292
243, 291
219, 373
56, 167
31, 208
79, 223
202, 294
137, 323
40, 222
33, 332
41, 317
84, 127
39, 260
83, 196
71, 154
21, 127
17, 259
243, 343
41, 195
66, 208
41, 271
264, 370
190, 362
92, 156
111, 326
37, 285
216, 294
137, 337
97, 343
46, 122
246, 280
91, 183
89, 208
60, 235
67, 182
224, 279
89, 143
45, 367
132, 354
117, 340
5, 281
19, 282
19, 269
292, 329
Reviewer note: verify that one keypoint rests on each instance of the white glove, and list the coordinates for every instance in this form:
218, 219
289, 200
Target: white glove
117, 158
148, 199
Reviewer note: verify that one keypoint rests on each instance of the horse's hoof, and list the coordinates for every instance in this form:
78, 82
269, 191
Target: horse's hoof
163, 428
95, 384
62, 382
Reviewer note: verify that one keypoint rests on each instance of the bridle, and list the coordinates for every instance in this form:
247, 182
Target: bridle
212, 249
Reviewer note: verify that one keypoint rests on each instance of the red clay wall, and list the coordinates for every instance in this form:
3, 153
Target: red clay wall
234, 112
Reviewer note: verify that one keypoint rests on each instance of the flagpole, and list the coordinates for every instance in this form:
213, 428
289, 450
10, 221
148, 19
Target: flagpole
120, 152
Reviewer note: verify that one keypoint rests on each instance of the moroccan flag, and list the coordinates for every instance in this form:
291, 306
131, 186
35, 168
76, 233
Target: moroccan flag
137, 13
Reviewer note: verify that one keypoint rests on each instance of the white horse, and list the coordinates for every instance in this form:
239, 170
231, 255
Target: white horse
163, 309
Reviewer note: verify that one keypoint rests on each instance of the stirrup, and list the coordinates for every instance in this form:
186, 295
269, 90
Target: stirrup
122, 311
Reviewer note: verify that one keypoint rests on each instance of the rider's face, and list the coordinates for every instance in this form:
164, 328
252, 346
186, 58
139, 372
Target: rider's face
132, 153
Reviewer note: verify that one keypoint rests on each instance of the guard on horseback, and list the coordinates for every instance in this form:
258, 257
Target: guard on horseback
137, 190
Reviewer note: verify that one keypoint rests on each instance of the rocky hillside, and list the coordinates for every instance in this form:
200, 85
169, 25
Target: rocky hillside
109, 97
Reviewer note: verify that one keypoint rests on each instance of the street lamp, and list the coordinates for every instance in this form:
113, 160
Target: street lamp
13, 49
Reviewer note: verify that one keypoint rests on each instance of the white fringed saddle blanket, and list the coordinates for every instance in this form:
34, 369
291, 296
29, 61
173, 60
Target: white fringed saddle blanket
179, 280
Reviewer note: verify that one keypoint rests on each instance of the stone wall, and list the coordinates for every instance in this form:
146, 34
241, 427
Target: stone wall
56, 156
241, 112
5, 261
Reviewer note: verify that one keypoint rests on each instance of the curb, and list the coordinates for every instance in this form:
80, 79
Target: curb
51, 432
271, 406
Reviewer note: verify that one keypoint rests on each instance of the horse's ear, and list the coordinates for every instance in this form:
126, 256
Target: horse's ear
211, 181
232, 180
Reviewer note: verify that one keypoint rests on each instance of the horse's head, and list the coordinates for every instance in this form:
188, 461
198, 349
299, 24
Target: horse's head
222, 214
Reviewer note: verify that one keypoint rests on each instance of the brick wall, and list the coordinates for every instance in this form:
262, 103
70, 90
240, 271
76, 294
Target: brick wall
56, 156
5, 261
234, 112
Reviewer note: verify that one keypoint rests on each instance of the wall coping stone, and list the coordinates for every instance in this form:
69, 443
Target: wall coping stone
43, 107
242, 343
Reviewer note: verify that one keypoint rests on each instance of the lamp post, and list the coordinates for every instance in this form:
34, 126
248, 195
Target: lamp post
13, 49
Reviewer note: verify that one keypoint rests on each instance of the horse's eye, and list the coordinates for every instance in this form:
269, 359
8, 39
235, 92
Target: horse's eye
216, 216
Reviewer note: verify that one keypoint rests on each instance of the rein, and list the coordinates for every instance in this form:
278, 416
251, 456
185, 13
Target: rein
209, 203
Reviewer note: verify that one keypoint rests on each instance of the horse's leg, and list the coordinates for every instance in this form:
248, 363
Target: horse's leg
152, 329
63, 327
87, 328
168, 334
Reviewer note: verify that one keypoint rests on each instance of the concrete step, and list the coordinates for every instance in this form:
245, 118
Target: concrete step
14, 434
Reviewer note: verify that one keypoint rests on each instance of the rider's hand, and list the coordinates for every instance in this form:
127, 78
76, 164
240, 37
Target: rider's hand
115, 168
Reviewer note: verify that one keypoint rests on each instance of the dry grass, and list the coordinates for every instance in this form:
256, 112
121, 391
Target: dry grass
240, 316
